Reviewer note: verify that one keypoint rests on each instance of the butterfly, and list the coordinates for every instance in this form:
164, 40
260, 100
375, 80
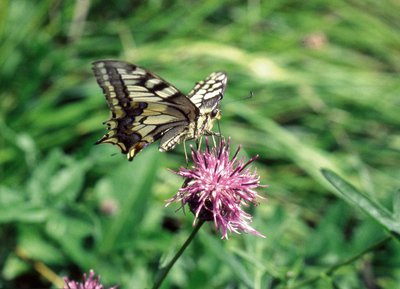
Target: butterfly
144, 107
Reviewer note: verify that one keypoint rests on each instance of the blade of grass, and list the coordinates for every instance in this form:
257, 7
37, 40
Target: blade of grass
363, 202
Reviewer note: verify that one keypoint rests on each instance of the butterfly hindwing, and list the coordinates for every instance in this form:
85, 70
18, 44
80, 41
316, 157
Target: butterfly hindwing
207, 93
144, 107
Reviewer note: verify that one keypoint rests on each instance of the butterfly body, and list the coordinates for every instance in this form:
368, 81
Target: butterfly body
145, 108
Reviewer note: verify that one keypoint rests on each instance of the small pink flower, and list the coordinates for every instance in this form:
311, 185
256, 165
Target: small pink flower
216, 188
87, 283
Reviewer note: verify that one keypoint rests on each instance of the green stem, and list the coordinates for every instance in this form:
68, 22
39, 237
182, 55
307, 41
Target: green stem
164, 271
333, 268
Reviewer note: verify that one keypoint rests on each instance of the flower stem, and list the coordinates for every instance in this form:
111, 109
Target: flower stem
164, 271
333, 268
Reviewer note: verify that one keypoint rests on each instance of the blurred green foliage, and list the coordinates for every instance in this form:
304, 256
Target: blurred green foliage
326, 95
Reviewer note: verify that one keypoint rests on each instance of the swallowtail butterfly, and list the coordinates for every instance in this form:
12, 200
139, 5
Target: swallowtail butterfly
145, 108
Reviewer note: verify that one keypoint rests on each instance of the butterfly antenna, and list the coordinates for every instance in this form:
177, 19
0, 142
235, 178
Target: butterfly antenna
250, 96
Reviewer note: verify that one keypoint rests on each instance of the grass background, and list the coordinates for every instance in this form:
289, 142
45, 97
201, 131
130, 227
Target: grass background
325, 78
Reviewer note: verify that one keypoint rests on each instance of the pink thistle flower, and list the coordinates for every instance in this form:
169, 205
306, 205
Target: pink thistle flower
216, 188
87, 283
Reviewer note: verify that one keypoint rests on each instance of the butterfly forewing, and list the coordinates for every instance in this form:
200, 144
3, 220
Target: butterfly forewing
145, 108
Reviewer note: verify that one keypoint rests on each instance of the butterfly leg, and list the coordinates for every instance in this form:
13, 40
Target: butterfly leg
213, 135
213, 138
186, 156
198, 143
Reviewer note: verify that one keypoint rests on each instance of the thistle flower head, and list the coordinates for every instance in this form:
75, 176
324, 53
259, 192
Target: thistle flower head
87, 283
217, 187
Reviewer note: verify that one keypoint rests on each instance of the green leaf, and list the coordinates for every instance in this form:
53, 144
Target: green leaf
396, 206
133, 186
363, 202
70, 230
13, 267
57, 179
23, 213
37, 245
215, 246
